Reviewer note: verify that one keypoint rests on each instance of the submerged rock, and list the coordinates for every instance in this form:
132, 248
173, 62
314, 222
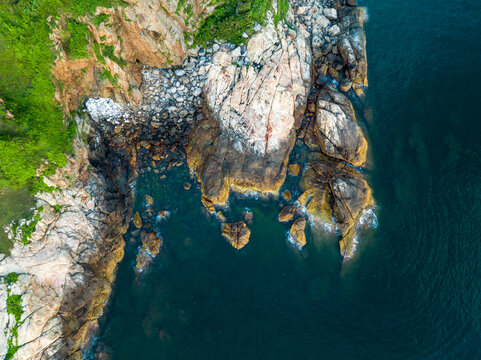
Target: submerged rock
296, 234
237, 234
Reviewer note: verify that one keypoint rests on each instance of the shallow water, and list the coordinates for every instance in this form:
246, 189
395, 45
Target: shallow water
413, 289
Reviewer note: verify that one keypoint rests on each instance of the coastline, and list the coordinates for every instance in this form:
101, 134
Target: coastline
83, 240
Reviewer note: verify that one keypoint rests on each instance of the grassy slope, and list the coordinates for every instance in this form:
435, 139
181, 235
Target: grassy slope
40, 133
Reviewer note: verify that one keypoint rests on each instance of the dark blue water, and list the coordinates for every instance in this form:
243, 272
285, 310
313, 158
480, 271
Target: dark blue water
413, 290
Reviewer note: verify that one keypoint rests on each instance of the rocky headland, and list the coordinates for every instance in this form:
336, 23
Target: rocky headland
232, 112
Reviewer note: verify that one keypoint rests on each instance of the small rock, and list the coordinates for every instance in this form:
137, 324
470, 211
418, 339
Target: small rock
345, 85
221, 216
187, 186
149, 199
248, 216
297, 234
287, 213
163, 214
331, 14
137, 220
352, 2
287, 195
244, 35
294, 169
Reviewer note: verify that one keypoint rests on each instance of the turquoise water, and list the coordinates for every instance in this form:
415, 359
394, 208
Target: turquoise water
413, 290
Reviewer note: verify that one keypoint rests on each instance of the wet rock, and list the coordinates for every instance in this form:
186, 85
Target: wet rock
163, 214
187, 186
294, 169
149, 199
345, 85
297, 234
337, 129
287, 195
150, 248
237, 234
221, 216
287, 213
137, 220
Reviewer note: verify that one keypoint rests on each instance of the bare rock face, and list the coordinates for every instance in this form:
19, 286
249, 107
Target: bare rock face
67, 268
352, 45
297, 234
144, 32
253, 112
237, 234
339, 134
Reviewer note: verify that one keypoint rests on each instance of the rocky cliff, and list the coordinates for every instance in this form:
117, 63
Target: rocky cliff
238, 110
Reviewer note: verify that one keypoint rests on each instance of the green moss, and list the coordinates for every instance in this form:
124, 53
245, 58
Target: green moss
57, 208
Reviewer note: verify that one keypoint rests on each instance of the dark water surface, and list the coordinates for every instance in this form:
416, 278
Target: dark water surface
413, 290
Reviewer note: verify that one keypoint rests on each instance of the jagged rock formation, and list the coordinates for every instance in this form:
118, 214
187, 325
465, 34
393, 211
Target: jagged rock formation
336, 127
121, 41
253, 111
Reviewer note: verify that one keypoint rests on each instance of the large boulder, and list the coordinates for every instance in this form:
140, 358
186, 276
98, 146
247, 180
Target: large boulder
254, 98
237, 234
296, 234
338, 131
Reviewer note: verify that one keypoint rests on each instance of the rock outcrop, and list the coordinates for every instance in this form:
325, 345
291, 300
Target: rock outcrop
297, 233
65, 271
254, 97
151, 245
336, 127
122, 40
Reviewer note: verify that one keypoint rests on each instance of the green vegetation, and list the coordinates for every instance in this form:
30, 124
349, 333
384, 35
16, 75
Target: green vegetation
77, 42
28, 228
39, 134
11, 278
282, 9
231, 18
101, 18
108, 51
57, 207
15, 308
